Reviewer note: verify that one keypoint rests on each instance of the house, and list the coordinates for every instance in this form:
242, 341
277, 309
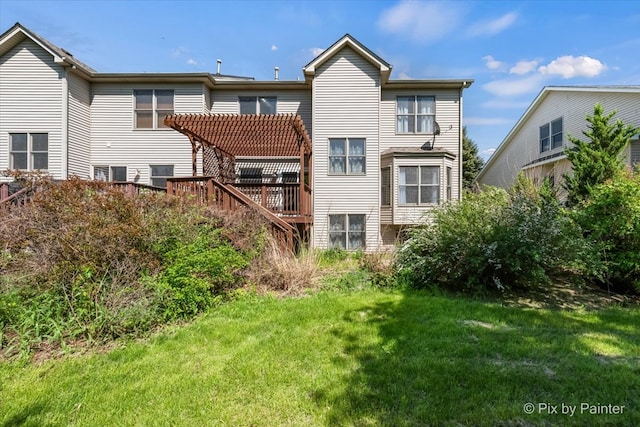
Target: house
373, 154
536, 143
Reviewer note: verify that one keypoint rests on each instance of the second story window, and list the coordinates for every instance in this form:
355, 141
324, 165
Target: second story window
551, 135
347, 156
258, 104
415, 114
151, 106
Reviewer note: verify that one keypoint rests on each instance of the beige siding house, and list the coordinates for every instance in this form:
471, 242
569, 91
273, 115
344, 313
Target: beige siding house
384, 152
535, 144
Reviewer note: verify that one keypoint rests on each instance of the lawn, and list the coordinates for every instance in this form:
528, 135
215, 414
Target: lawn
371, 357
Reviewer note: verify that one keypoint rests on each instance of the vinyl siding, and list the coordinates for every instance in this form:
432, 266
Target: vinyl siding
573, 107
79, 133
346, 94
291, 101
448, 117
31, 100
114, 141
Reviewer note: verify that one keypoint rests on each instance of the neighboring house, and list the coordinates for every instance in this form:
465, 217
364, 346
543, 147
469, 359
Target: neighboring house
536, 143
385, 151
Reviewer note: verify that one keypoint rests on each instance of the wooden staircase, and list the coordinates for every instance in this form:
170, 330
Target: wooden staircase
211, 192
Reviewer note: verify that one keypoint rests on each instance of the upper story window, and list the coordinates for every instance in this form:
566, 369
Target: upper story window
551, 135
419, 185
29, 151
415, 114
347, 156
151, 105
258, 104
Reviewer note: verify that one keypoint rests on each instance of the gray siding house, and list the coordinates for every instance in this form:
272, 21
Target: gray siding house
536, 143
385, 152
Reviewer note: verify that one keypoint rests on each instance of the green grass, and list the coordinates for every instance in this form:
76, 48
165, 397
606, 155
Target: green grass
345, 358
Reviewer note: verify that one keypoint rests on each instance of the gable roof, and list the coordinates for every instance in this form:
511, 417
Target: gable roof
537, 102
350, 41
18, 33
249, 135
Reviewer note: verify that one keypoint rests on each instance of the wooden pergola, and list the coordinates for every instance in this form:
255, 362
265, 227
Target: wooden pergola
223, 139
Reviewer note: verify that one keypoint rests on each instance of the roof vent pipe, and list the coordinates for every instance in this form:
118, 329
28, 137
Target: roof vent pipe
219, 65
277, 70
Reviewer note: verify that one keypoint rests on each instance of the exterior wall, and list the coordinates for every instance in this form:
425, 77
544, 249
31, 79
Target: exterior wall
79, 118
448, 116
115, 141
346, 94
554, 171
290, 101
573, 107
31, 100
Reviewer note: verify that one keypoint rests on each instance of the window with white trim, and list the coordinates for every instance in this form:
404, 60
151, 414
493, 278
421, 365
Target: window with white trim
347, 231
159, 175
347, 156
415, 114
150, 107
449, 185
29, 151
258, 104
419, 185
551, 135
110, 173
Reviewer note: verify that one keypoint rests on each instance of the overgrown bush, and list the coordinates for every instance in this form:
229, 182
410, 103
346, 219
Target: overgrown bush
610, 218
85, 261
493, 240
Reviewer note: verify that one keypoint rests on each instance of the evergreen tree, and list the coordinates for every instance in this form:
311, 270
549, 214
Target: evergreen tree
472, 163
599, 159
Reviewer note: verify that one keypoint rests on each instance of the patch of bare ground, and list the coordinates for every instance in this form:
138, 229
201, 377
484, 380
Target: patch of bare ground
567, 296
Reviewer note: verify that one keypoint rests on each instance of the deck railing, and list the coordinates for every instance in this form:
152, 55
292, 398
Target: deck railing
280, 198
19, 198
134, 188
206, 190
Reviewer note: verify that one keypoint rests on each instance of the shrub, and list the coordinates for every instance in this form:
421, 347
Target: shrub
85, 261
611, 220
493, 240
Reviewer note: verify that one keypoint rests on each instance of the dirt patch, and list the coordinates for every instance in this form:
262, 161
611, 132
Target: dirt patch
568, 296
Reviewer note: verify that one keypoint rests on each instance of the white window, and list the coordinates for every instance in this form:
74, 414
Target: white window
448, 178
347, 231
151, 106
419, 185
29, 151
258, 104
159, 175
415, 114
110, 173
250, 175
551, 135
347, 156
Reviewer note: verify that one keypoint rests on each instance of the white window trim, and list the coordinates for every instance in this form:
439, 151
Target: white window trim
346, 157
420, 185
30, 152
415, 115
346, 230
154, 110
549, 126
151, 176
257, 102
110, 171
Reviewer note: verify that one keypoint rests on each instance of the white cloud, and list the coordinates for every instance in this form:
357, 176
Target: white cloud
493, 64
404, 76
488, 152
512, 87
315, 51
191, 61
573, 66
486, 121
421, 21
178, 51
505, 104
524, 67
274, 47
495, 26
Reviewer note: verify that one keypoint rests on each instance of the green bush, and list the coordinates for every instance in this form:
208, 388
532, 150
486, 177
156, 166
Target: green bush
84, 261
610, 218
493, 240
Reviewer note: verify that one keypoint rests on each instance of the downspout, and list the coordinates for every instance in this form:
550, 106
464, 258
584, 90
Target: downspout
65, 125
460, 147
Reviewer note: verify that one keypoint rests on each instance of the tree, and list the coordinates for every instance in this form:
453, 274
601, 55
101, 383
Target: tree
471, 161
599, 159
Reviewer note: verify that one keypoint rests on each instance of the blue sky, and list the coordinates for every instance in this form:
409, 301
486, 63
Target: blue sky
511, 49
